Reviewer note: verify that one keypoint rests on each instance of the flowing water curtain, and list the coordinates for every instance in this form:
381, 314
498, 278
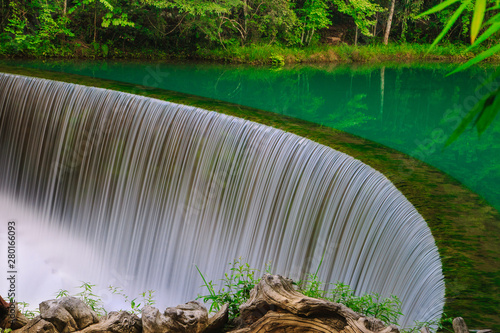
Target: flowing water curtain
155, 187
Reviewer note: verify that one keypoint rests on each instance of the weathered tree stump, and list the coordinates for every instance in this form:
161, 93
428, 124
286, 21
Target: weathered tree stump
459, 325
10, 320
217, 322
37, 325
191, 317
116, 322
275, 306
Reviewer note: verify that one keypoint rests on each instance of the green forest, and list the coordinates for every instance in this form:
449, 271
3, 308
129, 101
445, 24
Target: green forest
216, 29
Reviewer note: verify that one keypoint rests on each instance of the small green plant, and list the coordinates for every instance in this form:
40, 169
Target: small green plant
387, 309
91, 299
62, 293
440, 325
312, 286
26, 311
372, 305
277, 60
235, 288
147, 298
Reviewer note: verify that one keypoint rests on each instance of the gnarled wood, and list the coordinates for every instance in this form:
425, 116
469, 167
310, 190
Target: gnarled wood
14, 322
459, 325
191, 317
37, 325
217, 322
275, 306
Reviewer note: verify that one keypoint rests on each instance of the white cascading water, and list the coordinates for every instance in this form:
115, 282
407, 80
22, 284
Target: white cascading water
114, 188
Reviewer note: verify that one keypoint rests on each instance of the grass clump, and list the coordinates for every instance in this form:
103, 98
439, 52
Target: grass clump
235, 288
387, 309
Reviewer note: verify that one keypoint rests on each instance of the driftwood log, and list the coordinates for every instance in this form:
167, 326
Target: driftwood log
217, 322
335, 39
11, 320
275, 306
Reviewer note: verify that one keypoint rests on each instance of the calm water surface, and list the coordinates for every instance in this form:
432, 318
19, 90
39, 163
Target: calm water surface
409, 108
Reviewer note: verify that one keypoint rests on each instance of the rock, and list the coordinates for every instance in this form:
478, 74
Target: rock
37, 325
116, 322
68, 314
459, 325
275, 306
217, 322
191, 317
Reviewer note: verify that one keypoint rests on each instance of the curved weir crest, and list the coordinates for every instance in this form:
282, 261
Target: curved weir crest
147, 189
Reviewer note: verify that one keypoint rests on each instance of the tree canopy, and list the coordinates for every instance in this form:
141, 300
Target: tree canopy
63, 27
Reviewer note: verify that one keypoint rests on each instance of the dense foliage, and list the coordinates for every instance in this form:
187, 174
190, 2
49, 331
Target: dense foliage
117, 28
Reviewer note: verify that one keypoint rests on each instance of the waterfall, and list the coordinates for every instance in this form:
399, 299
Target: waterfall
140, 190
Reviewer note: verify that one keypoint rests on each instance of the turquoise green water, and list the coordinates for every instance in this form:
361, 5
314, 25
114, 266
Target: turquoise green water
409, 108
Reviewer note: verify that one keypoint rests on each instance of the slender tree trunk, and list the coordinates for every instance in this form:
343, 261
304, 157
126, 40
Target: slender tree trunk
245, 17
356, 37
389, 22
310, 36
95, 19
65, 7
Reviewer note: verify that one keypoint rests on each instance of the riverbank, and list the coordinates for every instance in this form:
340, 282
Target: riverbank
342, 53
466, 229
267, 54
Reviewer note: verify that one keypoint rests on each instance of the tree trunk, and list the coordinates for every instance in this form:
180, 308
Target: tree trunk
95, 19
459, 325
275, 306
389, 22
356, 37
310, 36
245, 17
65, 7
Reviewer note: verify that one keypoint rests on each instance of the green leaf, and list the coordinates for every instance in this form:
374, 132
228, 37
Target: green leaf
488, 113
484, 112
478, 58
463, 124
477, 19
437, 8
493, 19
485, 35
449, 24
